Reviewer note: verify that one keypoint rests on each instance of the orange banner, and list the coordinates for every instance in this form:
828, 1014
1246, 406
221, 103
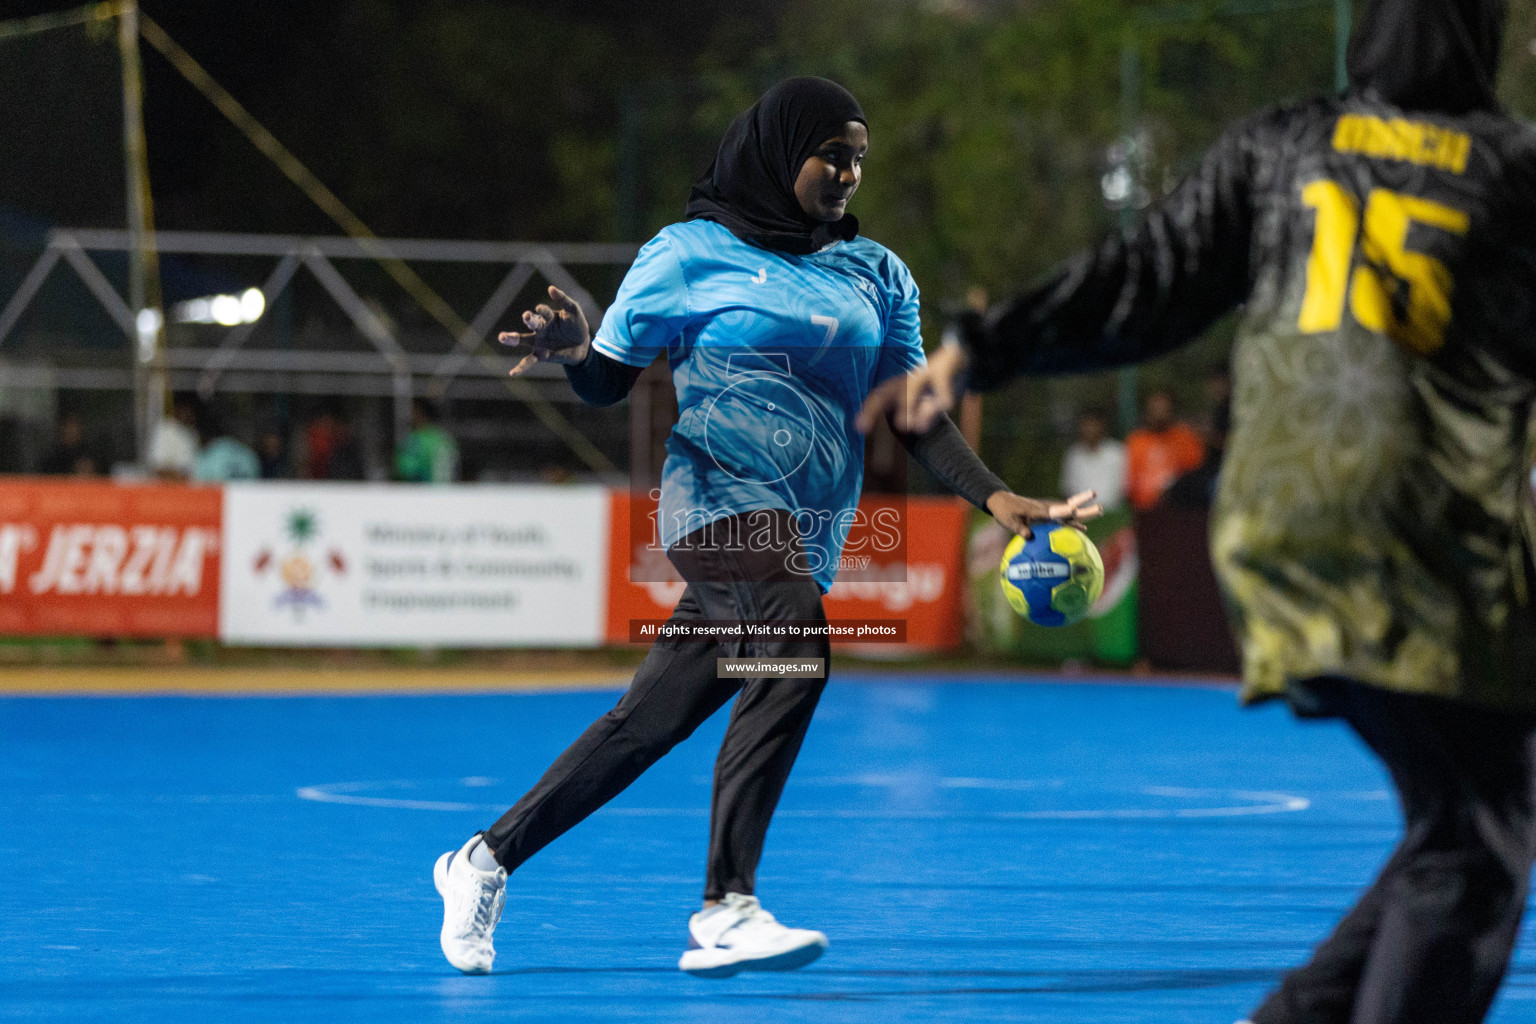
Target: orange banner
919, 582
103, 559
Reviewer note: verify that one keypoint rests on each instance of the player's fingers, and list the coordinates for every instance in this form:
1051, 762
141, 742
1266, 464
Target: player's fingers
916, 409
931, 397
1079, 520
513, 339
534, 322
883, 401
1074, 516
1065, 511
526, 364
562, 301
941, 389
544, 311
925, 411
868, 414
938, 400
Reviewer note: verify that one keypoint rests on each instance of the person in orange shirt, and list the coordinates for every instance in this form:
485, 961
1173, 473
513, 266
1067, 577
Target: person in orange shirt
1159, 452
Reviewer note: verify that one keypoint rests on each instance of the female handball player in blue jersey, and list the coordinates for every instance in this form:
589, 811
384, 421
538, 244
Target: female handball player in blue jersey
778, 320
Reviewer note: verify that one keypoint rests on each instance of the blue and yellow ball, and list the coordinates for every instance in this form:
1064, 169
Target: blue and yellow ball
1053, 578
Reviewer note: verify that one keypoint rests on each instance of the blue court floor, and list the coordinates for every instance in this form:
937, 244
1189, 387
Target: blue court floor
975, 851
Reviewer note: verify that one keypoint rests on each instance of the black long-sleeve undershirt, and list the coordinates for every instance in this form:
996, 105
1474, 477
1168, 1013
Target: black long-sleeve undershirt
1139, 293
599, 380
943, 452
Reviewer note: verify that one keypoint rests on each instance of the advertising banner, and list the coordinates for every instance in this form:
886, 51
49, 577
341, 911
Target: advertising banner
102, 559
919, 581
383, 565
387, 565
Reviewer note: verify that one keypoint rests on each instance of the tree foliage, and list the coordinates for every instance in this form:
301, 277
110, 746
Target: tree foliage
991, 124
991, 119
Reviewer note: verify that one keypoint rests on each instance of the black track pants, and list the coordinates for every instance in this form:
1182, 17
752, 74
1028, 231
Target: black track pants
675, 689
1430, 940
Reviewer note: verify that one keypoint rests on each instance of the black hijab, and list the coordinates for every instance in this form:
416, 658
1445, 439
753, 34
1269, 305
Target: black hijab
750, 186
1430, 55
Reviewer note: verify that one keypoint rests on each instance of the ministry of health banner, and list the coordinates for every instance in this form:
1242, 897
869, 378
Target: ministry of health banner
388, 565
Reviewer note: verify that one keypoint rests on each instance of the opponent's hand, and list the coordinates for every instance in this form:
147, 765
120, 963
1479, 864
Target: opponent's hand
914, 402
1015, 512
557, 333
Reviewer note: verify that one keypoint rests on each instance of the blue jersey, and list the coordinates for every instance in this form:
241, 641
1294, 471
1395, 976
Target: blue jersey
772, 356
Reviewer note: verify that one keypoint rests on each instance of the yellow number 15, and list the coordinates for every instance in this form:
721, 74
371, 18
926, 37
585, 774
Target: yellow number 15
1416, 320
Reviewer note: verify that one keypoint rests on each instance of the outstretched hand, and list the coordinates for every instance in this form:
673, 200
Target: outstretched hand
557, 333
1016, 512
915, 401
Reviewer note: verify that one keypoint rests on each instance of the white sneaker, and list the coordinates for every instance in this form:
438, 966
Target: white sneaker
737, 934
472, 902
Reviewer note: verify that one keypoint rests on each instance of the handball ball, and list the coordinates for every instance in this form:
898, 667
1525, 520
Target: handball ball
1054, 578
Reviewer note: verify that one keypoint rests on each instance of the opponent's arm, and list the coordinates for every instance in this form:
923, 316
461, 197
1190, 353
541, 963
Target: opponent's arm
1136, 295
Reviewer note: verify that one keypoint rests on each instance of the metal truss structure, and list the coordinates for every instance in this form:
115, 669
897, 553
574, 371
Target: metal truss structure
469, 369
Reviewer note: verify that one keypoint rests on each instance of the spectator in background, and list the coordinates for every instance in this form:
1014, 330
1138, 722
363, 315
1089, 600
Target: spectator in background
1218, 391
272, 451
71, 456
554, 473
1095, 461
1218, 409
225, 457
429, 455
173, 448
1159, 452
331, 449
1197, 488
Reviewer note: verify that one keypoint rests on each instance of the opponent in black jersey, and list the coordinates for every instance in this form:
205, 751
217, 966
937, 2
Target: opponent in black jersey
1373, 528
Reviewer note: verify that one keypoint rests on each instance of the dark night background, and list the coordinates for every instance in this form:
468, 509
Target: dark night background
587, 120
429, 119
991, 124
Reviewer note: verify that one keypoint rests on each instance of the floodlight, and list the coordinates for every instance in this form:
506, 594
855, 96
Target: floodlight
148, 324
225, 310
252, 305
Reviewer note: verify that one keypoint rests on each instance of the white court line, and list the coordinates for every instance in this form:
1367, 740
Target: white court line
911, 780
1252, 803
345, 793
